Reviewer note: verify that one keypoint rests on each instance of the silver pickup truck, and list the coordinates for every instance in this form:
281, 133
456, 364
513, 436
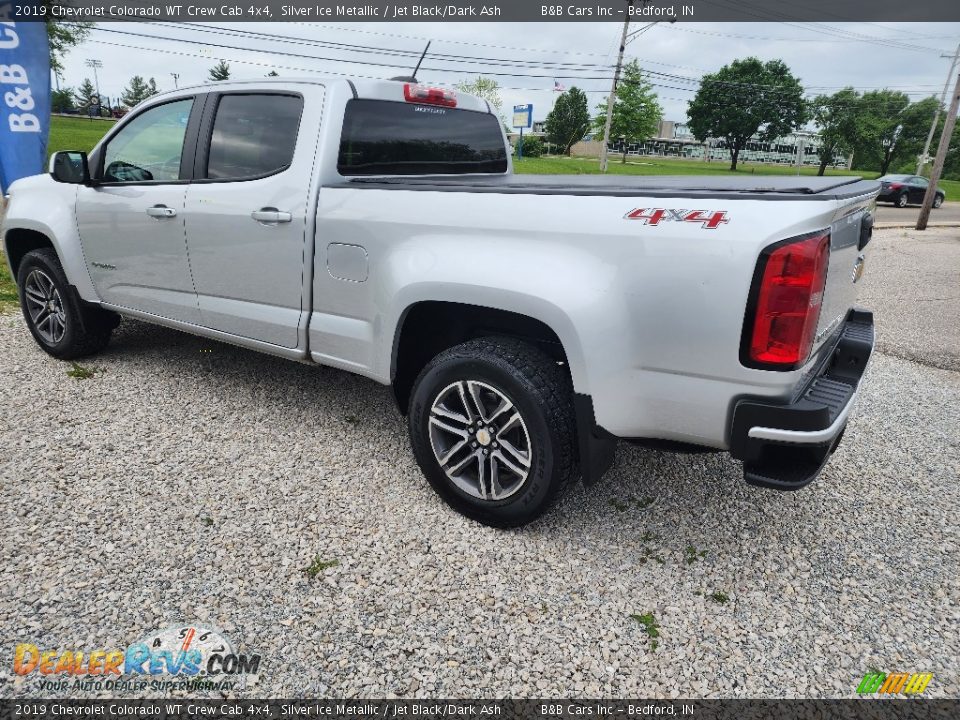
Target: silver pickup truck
525, 323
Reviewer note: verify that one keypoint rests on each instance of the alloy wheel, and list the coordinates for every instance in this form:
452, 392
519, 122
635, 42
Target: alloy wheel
45, 306
480, 440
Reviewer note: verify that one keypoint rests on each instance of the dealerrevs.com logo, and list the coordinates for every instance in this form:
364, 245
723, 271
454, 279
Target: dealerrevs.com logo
188, 657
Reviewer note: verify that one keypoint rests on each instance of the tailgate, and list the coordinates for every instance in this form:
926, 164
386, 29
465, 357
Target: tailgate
848, 238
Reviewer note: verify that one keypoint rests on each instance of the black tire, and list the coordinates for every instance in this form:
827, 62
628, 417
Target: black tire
902, 200
937, 201
540, 392
86, 328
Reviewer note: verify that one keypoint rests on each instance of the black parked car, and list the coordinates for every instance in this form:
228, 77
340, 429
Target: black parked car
903, 190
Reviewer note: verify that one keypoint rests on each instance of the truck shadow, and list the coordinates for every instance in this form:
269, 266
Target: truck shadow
653, 505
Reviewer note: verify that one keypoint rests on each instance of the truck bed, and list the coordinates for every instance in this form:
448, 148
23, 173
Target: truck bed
674, 186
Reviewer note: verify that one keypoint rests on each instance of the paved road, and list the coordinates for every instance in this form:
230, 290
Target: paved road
888, 214
912, 282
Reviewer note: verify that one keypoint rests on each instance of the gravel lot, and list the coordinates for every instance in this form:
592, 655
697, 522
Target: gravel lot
193, 481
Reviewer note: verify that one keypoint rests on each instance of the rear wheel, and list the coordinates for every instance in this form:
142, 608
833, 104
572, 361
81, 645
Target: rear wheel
492, 427
937, 201
61, 323
902, 200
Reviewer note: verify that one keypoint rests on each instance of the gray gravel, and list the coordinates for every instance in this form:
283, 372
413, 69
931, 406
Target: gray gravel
106, 484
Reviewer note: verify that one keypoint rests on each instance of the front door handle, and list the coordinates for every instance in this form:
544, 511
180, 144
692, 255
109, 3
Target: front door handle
161, 211
271, 215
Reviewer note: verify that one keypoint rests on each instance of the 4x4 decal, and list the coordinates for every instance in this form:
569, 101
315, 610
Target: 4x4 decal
709, 219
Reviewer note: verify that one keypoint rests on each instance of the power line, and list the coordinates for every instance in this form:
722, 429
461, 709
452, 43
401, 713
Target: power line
565, 74
889, 106
413, 53
447, 41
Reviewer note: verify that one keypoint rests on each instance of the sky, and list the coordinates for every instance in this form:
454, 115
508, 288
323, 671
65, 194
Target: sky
525, 58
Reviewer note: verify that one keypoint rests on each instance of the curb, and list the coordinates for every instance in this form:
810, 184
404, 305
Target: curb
913, 225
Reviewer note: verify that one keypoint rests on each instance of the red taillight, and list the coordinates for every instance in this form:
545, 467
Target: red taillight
429, 95
787, 302
895, 186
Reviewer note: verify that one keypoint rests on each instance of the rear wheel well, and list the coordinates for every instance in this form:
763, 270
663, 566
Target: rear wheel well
20, 241
429, 328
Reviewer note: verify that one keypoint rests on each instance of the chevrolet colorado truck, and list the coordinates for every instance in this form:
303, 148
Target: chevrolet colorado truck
525, 323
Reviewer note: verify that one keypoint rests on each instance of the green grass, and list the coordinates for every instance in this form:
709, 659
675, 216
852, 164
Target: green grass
80, 372
9, 298
670, 166
318, 566
75, 133
951, 188
719, 597
650, 626
654, 166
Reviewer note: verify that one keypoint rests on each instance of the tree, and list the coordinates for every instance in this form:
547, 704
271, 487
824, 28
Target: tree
86, 93
62, 100
636, 112
880, 122
483, 88
138, 91
837, 117
61, 37
529, 147
569, 119
220, 71
951, 167
746, 98
273, 73
914, 125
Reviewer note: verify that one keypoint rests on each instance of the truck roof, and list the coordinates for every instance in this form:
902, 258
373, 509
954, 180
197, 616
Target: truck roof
710, 186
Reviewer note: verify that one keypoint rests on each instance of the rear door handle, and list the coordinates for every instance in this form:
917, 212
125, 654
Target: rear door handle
161, 211
271, 215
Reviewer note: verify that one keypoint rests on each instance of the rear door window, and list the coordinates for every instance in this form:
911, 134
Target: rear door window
391, 138
253, 136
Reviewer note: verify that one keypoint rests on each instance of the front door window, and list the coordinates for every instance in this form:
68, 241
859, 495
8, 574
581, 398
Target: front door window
150, 147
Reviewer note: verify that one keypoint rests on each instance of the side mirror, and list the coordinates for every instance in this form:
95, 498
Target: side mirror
70, 167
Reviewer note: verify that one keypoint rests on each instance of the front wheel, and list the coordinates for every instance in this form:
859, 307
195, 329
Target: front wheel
58, 319
902, 200
492, 427
938, 201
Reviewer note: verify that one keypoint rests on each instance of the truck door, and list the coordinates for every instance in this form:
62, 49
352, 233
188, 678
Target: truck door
246, 213
131, 221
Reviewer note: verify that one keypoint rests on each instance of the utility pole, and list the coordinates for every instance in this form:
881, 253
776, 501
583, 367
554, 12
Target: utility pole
945, 138
175, 76
936, 116
613, 90
95, 64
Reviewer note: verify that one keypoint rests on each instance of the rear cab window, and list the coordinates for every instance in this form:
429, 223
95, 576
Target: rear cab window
381, 137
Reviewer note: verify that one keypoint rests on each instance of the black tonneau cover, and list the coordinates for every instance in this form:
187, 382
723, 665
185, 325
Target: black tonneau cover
709, 186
